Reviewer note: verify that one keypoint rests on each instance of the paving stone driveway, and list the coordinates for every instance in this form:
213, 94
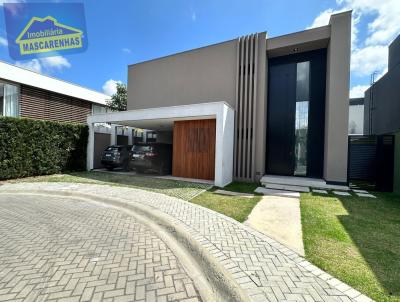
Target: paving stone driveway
264, 269
65, 249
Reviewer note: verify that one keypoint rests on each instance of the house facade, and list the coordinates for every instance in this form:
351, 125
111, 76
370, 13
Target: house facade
25, 93
249, 107
382, 108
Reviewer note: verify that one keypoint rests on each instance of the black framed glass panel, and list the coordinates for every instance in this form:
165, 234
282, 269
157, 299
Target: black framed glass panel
301, 117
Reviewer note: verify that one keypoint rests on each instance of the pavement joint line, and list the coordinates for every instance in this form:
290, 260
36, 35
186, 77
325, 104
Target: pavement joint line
279, 254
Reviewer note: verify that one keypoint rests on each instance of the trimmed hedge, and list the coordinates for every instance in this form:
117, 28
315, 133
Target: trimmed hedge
32, 147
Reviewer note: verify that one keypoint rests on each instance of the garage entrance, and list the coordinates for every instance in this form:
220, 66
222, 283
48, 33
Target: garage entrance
201, 134
194, 149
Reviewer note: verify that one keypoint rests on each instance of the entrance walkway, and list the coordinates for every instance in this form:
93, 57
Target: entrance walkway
279, 217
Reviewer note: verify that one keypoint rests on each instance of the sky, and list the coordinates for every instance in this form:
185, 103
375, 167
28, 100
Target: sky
124, 32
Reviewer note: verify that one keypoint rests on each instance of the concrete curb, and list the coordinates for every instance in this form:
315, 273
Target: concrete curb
213, 281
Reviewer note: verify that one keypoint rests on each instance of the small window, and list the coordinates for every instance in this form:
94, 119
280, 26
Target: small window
9, 99
97, 109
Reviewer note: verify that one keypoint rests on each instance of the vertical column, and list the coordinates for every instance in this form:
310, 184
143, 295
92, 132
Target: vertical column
113, 136
90, 148
337, 99
225, 128
130, 135
144, 135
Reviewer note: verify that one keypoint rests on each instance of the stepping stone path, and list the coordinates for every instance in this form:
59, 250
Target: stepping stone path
365, 195
341, 193
230, 193
320, 191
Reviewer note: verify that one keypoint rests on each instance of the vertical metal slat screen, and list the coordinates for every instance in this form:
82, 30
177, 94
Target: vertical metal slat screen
247, 54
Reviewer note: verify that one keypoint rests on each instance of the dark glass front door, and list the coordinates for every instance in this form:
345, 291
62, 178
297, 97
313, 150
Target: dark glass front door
295, 119
281, 109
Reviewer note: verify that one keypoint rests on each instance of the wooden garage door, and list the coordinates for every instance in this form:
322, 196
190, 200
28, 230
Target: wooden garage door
194, 149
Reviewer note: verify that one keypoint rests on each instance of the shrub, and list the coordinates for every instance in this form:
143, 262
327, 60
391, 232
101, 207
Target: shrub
33, 147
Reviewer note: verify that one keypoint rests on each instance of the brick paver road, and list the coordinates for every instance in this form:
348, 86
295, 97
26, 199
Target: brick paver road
64, 249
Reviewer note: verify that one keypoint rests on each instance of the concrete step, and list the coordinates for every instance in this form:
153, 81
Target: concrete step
273, 192
299, 182
286, 187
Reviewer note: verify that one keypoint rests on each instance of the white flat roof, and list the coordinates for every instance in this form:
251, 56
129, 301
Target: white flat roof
10, 72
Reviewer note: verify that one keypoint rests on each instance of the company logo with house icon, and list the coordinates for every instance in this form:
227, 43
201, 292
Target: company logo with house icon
43, 35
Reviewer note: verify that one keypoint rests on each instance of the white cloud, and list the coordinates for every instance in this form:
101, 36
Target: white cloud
110, 87
57, 63
33, 65
358, 91
3, 42
382, 27
365, 61
46, 65
126, 50
323, 19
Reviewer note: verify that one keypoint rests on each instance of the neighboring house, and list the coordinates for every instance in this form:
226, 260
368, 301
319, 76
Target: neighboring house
25, 93
249, 107
356, 116
382, 106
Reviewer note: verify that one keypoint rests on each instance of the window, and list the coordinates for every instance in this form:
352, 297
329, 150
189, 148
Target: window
301, 123
9, 99
98, 109
151, 136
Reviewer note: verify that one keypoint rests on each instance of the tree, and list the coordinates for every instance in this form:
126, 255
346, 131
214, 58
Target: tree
118, 99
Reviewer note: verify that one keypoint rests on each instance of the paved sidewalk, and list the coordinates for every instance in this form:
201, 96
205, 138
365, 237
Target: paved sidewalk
265, 269
280, 218
66, 249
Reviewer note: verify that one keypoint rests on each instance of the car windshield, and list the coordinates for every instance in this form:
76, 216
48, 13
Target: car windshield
112, 148
138, 148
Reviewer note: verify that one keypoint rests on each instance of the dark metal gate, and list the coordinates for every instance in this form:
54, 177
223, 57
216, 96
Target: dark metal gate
371, 160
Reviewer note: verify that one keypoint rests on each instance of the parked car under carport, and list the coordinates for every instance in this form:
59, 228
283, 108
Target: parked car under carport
116, 156
152, 157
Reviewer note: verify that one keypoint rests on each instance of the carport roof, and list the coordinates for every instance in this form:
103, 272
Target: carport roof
160, 118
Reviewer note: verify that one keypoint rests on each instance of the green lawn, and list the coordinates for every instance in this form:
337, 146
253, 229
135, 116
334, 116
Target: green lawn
235, 207
243, 187
355, 239
180, 189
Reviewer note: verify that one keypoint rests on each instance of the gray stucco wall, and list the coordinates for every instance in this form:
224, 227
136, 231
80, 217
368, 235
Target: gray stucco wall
337, 99
202, 75
384, 96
